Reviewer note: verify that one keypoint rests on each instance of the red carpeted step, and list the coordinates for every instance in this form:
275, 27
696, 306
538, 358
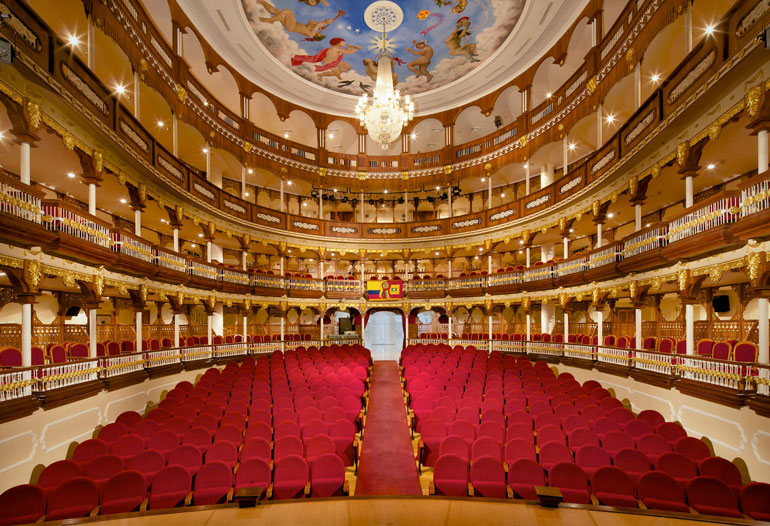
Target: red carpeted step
387, 465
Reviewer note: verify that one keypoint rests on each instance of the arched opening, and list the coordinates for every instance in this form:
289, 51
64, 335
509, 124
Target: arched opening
384, 335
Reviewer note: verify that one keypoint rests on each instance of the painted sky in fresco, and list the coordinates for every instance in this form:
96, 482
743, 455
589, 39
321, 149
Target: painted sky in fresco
453, 36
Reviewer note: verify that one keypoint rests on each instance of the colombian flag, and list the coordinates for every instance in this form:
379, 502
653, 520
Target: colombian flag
379, 290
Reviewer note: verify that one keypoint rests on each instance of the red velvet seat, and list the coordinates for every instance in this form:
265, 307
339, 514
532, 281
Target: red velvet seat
290, 477
571, 481
148, 463
170, 487
487, 476
102, 468
671, 431
75, 498
212, 484
659, 491
692, 448
56, 474
253, 473
188, 456
523, 475
22, 504
711, 496
653, 446
123, 493
327, 476
89, 450
613, 487
755, 501
652, 417
723, 470
553, 453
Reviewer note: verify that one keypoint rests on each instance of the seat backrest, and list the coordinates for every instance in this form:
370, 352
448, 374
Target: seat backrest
611, 479
214, 475
692, 448
172, 478
103, 467
485, 446
711, 492
25, 501
254, 472
632, 460
291, 468
653, 445
661, 486
676, 465
721, 350
328, 466
526, 471
80, 492
568, 475
90, 449
57, 473
487, 469
755, 500
592, 456
722, 469
123, 485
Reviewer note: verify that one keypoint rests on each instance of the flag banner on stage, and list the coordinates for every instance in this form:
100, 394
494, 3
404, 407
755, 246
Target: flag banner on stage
380, 290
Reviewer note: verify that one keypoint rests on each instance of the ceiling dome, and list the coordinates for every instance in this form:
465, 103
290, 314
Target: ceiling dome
322, 55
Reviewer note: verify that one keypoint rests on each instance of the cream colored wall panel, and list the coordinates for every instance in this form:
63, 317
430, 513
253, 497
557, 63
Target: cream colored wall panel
726, 432
70, 428
23, 446
760, 444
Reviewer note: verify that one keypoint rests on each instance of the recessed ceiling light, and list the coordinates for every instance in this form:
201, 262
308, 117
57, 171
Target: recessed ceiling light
610, 118
709, 29
205, 150
655, 77
289, 183
289, 251
711, 166
385, 191
571, 146
334, 189
71, 175
304, 204
610, 215
521, 251
571, 230
250, 171
413, 136
200, 235
193, 245
331, 135
437, 253
521, 242
120, 89
123, 201
162, 220
483, 179
476, 257
160, 124
73, 40
548, 95
502, 195
246, 194
647, 225
438, 188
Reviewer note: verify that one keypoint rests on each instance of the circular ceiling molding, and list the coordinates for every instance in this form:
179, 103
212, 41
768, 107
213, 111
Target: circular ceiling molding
383, 15
322, 54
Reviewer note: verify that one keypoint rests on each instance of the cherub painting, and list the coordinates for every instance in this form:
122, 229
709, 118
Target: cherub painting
330, 59
419, 66
312, 30
459, 42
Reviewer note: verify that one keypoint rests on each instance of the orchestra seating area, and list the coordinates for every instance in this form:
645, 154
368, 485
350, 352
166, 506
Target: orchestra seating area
288, 423
499, 426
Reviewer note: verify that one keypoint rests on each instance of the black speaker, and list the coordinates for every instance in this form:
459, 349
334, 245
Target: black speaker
72, 311
721, 303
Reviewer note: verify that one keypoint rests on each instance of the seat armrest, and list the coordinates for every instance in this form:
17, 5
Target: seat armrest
470, 489
594, 500
307, 489
346, 488
188, 499
230, 494
235, 467
269, 494
505, 466
431, 488
94, 512
508, 491
144, 504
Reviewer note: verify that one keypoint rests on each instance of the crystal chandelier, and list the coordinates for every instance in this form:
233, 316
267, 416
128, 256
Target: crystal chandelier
384, 114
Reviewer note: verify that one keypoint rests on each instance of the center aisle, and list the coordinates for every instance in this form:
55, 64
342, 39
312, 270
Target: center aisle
387, 465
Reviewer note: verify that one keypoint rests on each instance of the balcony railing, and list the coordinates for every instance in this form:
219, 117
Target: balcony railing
20, 200
200, 269
65, 218
343, 285
715, 214
268, 281
111, 366
171, 260
237, 277
131, 245
648, 239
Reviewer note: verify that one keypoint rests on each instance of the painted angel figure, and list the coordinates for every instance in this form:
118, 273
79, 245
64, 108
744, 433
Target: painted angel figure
329, 61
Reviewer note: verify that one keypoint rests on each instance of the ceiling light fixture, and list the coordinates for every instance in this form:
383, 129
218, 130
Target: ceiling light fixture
610, 215
385, 191
71, 175
571, 230
205, 150
711, 166
413, 136
437, 253
2, 136
200, 235
709, 29
162, 220
331, 136
193, 245
502, 195
160, 124
483, 179
572, 146
289, 183
548, 95
246, 194
250, 171
120, 89
385, 115
610, 118
123, 201
655, 77
73, 40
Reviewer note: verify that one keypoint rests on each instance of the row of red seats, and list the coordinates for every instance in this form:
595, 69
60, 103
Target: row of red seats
458, 397
223, 421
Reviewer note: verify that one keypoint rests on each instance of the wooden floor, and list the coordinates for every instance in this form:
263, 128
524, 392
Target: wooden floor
418, 511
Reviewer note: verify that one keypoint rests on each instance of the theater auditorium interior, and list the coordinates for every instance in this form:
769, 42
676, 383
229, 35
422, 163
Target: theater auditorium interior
292, 262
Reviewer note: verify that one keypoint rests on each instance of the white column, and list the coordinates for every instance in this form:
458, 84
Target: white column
91, 49
565, 155
529, 330
524, 100
176, 240
638, 327
489, 264
450, 268
599, 136
174, 135
283, 204
207, 150
543, 177
688, 27
600, 327
208, 251
762, 155
138, 222
243, 182
566, 327
450, 327
565, 242
137, 103
209, 329
281, 266
638, 217
688, 191
24, 161
489, 323
546, 252
489, 192
283, 328
449, 195
689, 327
526, 178
528, 254
92, 333
764, 334
176, 330
321, 324
362, 207
218, 320
138, 320
244, 265
320, 269
92, 199
598, 235
638, 85
26, 334
593, 32
245, 332
320, 203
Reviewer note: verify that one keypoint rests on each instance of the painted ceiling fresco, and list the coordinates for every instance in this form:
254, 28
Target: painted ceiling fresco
328, 43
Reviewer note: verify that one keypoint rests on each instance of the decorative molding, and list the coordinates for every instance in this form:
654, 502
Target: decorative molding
135, 138
80, 85
696, 72
304, 225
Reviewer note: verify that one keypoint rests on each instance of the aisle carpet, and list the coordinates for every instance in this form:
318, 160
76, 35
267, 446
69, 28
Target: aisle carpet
387, 465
